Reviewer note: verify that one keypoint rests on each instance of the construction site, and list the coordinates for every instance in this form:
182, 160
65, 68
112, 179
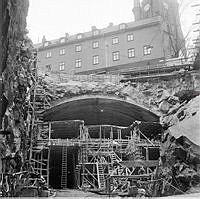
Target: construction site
133, 134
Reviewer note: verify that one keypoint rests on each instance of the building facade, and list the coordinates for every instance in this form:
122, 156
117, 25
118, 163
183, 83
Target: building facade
153, 36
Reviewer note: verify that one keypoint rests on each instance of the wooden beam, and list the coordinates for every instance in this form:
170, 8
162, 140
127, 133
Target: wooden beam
144, 163
131, 176
38, 162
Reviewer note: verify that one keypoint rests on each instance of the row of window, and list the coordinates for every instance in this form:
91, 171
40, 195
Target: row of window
131, 52
115, 57
95, 44
94, 33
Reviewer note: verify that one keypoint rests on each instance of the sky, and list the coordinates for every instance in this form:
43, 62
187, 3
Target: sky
54, 18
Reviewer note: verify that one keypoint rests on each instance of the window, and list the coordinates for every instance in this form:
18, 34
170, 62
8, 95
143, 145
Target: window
95, 32
95, 59
131, 52
48, 54
122, 26
62, 40
48, 67
130, 37
79, 36
78, 48
78, 63
95, 44
116, 56
147, 50
62, 66
115, 40
62, 51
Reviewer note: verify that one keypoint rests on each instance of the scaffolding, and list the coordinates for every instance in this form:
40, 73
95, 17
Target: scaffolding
39, 130
39, 151
111, 159
113, 164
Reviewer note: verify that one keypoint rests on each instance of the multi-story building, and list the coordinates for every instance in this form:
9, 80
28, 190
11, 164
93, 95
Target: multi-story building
153, 36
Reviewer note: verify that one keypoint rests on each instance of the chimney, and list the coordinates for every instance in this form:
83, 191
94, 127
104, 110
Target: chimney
66, 35
110, 24
44, 39
136, 10
93, 27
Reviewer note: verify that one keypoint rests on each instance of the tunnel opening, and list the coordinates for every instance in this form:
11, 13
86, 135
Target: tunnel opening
86, 147
57, 168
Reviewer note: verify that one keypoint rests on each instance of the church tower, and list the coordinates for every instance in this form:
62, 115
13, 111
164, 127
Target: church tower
168, 11
136, 10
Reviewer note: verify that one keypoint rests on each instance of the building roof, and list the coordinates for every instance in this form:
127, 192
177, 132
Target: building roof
111, 29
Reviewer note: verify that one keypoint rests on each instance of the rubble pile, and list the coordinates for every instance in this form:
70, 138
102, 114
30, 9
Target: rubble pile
151, 93
57, 89
148, 94
180, 146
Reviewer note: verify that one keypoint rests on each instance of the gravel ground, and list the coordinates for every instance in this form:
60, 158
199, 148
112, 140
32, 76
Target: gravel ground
74, 193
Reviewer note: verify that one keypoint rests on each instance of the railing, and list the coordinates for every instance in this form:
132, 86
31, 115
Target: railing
157, 67
170, 65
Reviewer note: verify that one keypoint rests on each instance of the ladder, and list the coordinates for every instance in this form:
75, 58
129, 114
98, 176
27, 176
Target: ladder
84, 154
138, 154
64, 167
114, 157
40, 162
100, 176
110, 169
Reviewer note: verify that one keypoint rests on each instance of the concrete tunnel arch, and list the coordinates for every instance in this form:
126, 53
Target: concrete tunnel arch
93, 110
99, 109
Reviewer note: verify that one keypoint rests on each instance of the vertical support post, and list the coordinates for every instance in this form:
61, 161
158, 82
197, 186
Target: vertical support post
48, 161
83, 175
147, 157
49, 132
33, 156
111, 133
41, 160
81, 131
93, 171
147, 153
36, 164
100, 134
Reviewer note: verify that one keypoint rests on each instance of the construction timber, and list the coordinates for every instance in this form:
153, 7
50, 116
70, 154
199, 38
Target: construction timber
111, 159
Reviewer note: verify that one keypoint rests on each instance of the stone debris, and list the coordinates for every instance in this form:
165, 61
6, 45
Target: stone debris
178, 107
180, 146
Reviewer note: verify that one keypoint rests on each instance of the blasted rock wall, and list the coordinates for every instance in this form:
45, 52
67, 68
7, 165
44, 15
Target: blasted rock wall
149, 93
16, 79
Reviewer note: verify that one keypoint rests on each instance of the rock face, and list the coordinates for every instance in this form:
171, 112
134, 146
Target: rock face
17, 74
180, 146
157, 95
17, 80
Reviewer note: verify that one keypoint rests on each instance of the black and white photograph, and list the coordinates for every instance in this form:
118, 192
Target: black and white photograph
100, 98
